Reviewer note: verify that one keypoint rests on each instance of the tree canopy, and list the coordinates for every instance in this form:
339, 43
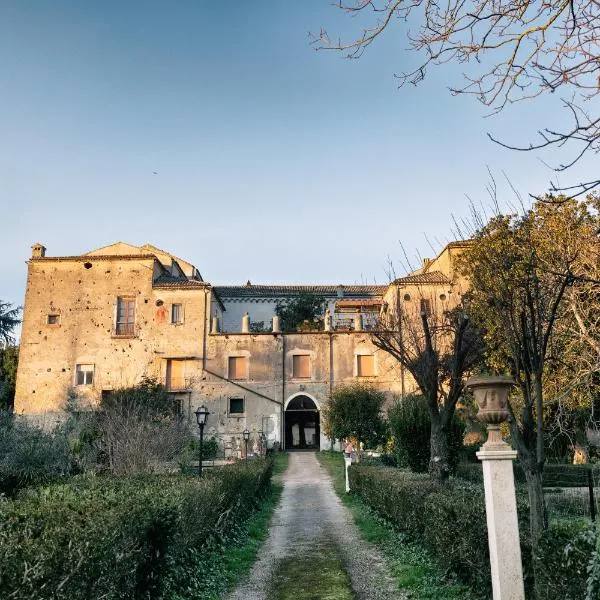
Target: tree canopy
303, 307
9, 319
354, 411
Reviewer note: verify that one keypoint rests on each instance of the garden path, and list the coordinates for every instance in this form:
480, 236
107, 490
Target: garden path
310, 533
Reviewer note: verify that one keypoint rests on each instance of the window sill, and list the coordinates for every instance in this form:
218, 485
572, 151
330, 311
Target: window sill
123, 336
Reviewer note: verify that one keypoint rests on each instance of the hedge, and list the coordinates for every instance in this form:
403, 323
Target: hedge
120, 537
563, 562
449, 521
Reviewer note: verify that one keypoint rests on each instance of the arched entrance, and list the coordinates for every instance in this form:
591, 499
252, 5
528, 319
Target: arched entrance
301, 423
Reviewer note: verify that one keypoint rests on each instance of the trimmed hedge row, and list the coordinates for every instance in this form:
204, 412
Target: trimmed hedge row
120, 537
451, 523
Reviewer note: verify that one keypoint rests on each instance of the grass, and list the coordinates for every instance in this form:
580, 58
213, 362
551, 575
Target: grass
317, 576
412, 567
237, 560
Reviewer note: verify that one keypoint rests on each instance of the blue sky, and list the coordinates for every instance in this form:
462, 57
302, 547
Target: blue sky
275, 163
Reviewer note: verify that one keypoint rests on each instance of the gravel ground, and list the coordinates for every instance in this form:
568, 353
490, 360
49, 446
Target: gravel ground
309, 516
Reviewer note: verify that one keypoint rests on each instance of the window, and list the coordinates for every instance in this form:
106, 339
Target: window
301, 366
236, 406
425, 306
176, 313
125, 316
238, 367
84, 374
175, 374
53, 320
365, 365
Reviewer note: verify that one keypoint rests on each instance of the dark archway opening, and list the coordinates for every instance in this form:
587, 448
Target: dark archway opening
301, 425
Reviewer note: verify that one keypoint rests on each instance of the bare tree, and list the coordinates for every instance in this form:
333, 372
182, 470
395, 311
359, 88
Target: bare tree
438, 346
516, 51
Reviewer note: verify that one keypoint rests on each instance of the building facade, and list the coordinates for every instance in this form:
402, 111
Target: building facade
103, 320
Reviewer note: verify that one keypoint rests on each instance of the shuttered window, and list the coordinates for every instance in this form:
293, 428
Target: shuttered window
238, 367
425, 306
365, 364
176, 374
125, 316
301, 366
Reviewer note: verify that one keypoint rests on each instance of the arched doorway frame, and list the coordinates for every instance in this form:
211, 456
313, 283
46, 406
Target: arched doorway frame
287, 402
285, 410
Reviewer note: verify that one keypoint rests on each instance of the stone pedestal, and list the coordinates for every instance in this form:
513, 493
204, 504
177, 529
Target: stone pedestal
501, 510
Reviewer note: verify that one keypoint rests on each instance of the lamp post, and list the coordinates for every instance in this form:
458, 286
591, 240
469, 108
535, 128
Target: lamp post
201, 418
246, 435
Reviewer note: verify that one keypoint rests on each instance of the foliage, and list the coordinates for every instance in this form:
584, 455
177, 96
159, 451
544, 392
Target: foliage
303, 307
449, 520
521, 269
354, 411
140, 537
9, 319
566, 547
136, 429
439, 349
507, 52
29, 455
415, 570
9, 360
410, 425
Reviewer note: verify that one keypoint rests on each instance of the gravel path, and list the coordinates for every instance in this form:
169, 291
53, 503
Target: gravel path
310, 516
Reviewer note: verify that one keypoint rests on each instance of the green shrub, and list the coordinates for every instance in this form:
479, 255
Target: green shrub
411, 427
100, 537
29, 455
450, 521
563, 559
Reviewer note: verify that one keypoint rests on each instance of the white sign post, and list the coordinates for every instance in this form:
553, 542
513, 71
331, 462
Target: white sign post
348, 461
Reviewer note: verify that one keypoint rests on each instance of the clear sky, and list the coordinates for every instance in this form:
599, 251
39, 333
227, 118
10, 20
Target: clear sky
273, 162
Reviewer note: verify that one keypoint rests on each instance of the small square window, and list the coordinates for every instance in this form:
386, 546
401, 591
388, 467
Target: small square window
176, 313
53, 320
236, 406
365, 365
84, 375
301, 366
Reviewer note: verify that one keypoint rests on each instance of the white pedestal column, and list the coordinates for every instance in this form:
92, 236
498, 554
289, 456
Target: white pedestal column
348, 461
502, 522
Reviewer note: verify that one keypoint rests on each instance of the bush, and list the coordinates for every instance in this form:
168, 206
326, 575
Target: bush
563, 562
134, 537
411, 427
29, 455
450, 521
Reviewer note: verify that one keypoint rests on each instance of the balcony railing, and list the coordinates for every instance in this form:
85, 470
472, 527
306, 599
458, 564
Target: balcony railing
125, 329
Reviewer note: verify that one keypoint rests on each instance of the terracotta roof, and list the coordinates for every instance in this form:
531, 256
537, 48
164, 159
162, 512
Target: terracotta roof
170, 281
93, 257
433, 277
253, 291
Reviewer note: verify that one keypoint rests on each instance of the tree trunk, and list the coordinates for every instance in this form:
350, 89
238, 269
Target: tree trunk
439, 463
537, 515
537, 506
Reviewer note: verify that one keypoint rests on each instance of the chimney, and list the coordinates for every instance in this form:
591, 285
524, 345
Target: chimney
358, 326
38, 251
246, 323
276, 325
215, 325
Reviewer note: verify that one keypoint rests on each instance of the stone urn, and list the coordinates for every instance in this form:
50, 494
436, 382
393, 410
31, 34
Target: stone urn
491, 394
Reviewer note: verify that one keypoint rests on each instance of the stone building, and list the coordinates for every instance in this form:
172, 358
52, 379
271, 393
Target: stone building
99, 321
